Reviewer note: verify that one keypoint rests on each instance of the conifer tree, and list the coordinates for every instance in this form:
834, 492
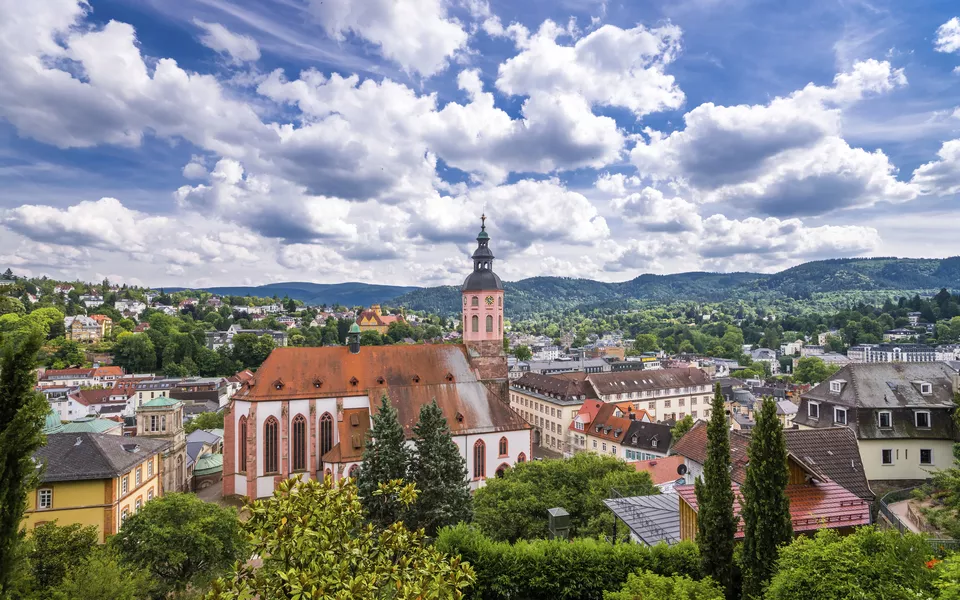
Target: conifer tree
716, 525
385, 458
439, 473
766, 508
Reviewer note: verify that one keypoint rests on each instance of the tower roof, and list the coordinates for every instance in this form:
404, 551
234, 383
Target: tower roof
482, 278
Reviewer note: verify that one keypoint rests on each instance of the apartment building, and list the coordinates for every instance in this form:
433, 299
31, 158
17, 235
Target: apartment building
665, 394
550, 403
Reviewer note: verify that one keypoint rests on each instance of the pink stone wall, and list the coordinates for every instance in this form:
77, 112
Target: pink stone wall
482, 310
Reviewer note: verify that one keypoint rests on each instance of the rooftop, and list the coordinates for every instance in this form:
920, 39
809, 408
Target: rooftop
83, 456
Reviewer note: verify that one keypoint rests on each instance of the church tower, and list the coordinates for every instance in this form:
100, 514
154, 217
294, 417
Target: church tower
482, 295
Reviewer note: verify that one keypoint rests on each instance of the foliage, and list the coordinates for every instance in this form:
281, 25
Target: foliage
681, 428
22, 414
646, 342
55, 549
866, 564
206, 420
812, 369
314, 543
581, 569
181, 540
101, 576
765, 508
386, 457
650, 586
716, 524
515, 506
135, 353
948, 577
522, 353
439, 472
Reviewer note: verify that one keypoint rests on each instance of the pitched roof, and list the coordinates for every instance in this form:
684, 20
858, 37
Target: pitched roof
653, 519
83, 456
835, 452
90, 424
159, 402
635, 381
888, 385
693, 445
662, 470
554, 386
353, 430
92, 396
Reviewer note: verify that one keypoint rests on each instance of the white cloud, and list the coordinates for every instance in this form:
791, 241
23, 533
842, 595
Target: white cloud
948, 36
609, 67
653, 211
419, 35
616, 184
238, 48
941, 176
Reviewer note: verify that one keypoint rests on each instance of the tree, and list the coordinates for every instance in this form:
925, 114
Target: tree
522, 353
135, 353
645, 342
22, 414
9, 305
251, 350
206, 420
716, 524
439, 472
55, 549
812, 369
68, 353
865, 564
650, 586
314, 543
765, 508
371, 337
104, 578
681, 428
181, 540
386, 457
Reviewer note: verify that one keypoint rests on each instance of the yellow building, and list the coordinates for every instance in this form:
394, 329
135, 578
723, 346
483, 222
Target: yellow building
93, 479
374, 320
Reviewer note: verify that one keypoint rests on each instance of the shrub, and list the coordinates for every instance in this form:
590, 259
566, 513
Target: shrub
649, 586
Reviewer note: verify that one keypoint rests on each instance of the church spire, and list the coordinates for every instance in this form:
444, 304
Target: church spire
483, 277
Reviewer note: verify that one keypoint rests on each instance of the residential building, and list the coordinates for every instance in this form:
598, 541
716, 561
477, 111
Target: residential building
96, 376
786, 411
546, 353
766, 355
901, 414
307, 411
162, 419
374, 319
91, 301
914, 318
568, 365
550, 403
216, 339
902, 333
63, 288
130, 308
664, 472
791, 348
891, 353
93, 479
666, 394
105, 324
811, 350
822, 337
625, 434
947, 352
82, 329
833, 450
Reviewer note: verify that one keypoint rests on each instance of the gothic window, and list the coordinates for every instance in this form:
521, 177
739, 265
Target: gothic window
501, 470
502, 449
500, 324
352, 473
501, 300
475, 301
271, 447
242, 445
479, 460
299, 443
326, 433
475, 320
489, 324
521, 458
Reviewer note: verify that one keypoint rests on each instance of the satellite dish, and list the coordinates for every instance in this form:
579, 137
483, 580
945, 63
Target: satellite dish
681, 469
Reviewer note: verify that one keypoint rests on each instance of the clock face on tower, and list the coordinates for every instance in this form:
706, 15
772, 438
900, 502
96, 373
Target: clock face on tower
489, 300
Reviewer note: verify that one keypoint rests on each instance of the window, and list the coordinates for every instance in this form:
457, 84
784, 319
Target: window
163, 422
44, 498
522, 458
500, 323
124, 485
299, 443
884, 419
502, 448
683, 401
479, 460
886, 456
693, 414
813, 410
124, 515
613, 449
352, 473
475, 323
652, 405
139, 476
693, 401
149, 494
836, 386
474, 301
922, 419
137, 505
326, 433
271, 435
926, 456
926, 389
604, 446
594, 443
489, 324
840, 416
241, 446
666, 404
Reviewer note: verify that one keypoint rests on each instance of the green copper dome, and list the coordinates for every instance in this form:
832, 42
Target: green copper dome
354, 328
52, 424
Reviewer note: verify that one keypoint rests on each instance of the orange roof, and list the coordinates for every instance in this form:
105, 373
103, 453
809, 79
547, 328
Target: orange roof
100, 318
108, 371
381, 319
662, 470
88, 397
353, 435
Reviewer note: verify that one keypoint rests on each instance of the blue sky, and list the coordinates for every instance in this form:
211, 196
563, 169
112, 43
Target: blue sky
238, 141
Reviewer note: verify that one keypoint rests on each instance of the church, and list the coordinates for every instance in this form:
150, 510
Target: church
307, 411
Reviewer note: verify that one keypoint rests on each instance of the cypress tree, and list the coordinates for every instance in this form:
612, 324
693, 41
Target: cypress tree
22, 414
439, 472
385, 458
716, 525
766, 508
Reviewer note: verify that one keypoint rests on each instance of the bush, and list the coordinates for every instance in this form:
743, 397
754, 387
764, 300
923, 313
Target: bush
649, 586
581, 569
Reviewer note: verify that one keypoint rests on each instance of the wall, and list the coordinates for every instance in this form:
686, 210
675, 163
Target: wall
906, 464
80, 502
517, 442
655, 401
483, 310
530, 408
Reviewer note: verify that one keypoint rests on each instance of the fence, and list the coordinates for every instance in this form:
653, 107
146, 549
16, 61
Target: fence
938, 544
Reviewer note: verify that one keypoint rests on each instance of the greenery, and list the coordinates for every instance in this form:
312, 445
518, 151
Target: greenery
581, 569
55, 549
439, 472
716, 524
681, 428
386, 457
181, 541
812, 369
514, 507
101, 576
206, 420
765, 508
650, 586
522, 353
314, 542
866, 564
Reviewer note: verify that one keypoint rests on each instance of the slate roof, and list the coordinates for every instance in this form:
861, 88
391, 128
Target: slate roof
205, 436
888, 385
638, 381
653, 519
834, 451
556, 389
84, 456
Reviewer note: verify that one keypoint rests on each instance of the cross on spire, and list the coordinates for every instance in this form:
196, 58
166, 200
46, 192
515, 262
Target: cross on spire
483, 222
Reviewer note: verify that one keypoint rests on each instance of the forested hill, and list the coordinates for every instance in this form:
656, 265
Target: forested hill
347, 294
544, 294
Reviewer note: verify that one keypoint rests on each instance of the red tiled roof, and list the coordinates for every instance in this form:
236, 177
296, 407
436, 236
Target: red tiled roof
380, 319
99, 318
88, 397
353, 436
67, 372
693, 445
109, 371
662, 470
813, 506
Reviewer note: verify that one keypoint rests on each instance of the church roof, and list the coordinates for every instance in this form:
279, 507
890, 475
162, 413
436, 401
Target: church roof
479, 281
410, 375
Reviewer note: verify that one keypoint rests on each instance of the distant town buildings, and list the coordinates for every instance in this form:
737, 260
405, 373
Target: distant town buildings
889, 353
218, 339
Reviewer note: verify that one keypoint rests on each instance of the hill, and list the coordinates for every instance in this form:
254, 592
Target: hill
347, 294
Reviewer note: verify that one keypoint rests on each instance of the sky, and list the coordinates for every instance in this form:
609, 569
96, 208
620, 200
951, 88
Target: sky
243, 142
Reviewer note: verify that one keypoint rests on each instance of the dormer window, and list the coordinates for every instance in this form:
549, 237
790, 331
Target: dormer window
449, 377
416, 379
278, 384
836, 386
922, 419
813, 410
381, 380
840, 416
884, 419
926, 388
354, 381
653, 443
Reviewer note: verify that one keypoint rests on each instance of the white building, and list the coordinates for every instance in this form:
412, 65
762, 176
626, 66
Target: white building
130, 307
663, 393
889, 353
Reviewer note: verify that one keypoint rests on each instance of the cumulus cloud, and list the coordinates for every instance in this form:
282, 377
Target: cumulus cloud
653, 211
419, 35
948, 36
237, 48
941, 176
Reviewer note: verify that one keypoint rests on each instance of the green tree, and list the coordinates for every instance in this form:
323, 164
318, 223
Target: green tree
371, 337
765, 508
250, 351
314, 544
386, 457
716, 524
522, 353
181, 540
22, 414
55, 549
865, 564
398, 330
681, 428
439, 472
812, 369
206, 420
646, 342
101, 576
67, 353
135, 353
650, 586
10, 305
